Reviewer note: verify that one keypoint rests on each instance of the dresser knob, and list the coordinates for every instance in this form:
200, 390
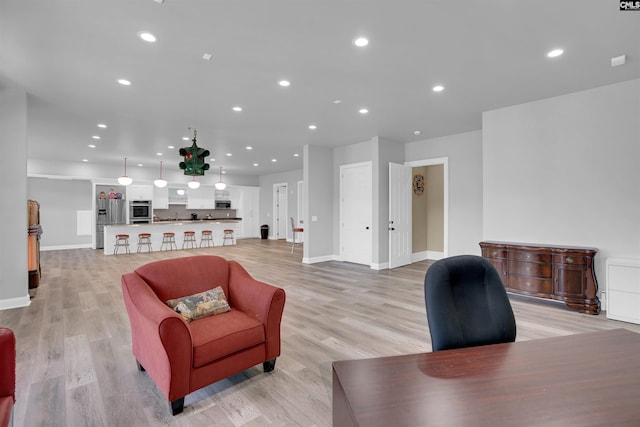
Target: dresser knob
569, 260
494, 253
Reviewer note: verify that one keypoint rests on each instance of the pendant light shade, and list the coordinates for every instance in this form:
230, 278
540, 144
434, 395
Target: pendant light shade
124, 179
193, 184
160, 183
220, 185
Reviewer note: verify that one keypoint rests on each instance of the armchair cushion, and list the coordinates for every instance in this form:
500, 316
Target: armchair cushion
199, 305
219, 336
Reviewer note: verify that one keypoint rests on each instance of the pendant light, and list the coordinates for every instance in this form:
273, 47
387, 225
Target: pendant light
193, 184
160, 183
220, 185
124, 179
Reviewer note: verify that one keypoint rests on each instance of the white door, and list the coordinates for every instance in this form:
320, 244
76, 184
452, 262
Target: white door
356, 213
301, 211
280, 220
400, 249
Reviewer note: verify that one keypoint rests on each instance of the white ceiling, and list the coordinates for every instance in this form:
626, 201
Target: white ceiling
67, 55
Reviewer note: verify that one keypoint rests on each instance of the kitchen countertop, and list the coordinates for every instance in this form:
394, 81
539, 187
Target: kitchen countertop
196, 220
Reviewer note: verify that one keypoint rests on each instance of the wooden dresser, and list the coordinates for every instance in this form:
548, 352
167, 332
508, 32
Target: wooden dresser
563, 273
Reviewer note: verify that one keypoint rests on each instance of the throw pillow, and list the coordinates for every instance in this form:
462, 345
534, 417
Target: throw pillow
204, 304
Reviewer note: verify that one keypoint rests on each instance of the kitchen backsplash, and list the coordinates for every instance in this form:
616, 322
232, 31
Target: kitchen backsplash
181, 212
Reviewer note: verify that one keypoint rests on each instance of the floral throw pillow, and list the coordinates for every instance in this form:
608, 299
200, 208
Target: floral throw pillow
204, 304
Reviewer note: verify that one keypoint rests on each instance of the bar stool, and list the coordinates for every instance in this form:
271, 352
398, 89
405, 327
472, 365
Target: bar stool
169, 239
295, 230
189, 239
228, 235
122, 241
206, 238
144, 240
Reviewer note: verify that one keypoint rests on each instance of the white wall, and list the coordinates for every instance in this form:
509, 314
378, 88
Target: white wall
566, 170
59, 202
318, 187
14, 279
464, 152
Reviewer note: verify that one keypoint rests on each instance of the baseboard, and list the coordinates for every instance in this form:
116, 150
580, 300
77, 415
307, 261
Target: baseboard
64, 247
6, 304
318, 259
424, 255
380, 266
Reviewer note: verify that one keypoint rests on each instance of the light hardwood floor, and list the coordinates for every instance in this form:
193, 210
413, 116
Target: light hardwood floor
75, 367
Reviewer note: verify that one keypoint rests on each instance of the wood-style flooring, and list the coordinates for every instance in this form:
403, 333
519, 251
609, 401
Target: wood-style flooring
75, 367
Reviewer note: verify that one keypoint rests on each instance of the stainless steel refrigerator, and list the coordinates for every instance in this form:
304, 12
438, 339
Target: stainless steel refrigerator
108, 212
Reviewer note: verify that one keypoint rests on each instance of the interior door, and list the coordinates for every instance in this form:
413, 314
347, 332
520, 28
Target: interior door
356, 213
400, 246
281, 222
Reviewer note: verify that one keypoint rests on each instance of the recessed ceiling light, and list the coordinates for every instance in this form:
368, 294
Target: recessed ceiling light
248, 147
102, 125
296, 155
555, 53
361, 42
159, 1
229, 154
140, 165
284, 83
92, 146
185, 138
417, 132
313, 127
363, 111
95, 137
158, 154
207, 56
238, 109
85, 160
148, 37
170, 147
255, 164
124, 82
337, 101
274, 160
438, 88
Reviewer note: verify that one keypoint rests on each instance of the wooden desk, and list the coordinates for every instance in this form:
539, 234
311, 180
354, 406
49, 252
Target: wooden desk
590, 379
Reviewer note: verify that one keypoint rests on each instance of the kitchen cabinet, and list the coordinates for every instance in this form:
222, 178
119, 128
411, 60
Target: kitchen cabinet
175, 198
563, 273
160, 198
202, 197
140, 192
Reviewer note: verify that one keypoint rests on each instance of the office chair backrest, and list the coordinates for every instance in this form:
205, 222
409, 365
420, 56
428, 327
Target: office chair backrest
467, 304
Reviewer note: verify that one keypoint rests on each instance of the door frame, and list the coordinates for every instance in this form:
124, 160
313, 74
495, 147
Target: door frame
445, 162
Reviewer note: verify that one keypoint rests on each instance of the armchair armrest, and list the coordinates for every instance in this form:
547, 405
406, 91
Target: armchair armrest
259, 300
7, 363
161, 338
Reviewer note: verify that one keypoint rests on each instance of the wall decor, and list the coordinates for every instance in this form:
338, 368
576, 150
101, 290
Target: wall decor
418, 184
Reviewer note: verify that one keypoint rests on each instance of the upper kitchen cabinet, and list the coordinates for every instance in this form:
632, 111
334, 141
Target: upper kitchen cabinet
202, 197
140, 192
160, 198
177, 195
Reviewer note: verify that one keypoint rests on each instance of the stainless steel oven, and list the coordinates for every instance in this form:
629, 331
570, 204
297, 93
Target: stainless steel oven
140, 212
223, 204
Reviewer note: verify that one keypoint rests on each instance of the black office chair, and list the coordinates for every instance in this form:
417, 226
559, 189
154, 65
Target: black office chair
467, 304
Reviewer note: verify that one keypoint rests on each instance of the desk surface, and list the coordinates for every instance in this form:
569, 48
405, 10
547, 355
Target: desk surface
590, 379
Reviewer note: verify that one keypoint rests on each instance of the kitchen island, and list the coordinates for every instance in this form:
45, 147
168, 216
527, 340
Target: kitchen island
156, 229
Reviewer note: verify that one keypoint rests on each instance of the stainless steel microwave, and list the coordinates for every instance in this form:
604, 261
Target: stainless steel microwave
223, 204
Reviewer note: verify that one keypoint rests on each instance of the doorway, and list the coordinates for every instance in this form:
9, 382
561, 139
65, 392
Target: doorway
435, 244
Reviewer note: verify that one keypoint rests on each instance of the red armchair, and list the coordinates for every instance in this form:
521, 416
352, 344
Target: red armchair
7, 376
182, 356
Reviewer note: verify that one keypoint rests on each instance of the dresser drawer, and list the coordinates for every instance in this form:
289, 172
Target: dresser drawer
531, 285
571, 259
494, 253
529, 256
533, 269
